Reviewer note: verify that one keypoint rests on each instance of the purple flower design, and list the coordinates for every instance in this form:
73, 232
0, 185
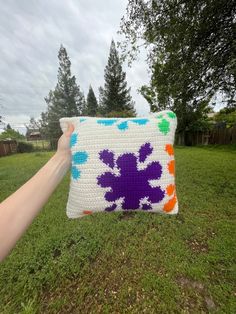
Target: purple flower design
131, 184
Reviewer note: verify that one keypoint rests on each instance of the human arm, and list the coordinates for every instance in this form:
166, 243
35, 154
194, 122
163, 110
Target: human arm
19, 209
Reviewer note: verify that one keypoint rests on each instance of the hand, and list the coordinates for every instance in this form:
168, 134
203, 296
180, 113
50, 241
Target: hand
63, 146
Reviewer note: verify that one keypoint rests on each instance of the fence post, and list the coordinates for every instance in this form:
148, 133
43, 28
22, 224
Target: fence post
4, 147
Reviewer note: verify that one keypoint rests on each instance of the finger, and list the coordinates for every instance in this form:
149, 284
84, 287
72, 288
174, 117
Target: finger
70, 129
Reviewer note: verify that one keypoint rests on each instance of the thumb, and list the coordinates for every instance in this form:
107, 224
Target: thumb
70, 129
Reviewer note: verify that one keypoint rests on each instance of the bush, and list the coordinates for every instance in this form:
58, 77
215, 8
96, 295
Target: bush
23, 147
12, 134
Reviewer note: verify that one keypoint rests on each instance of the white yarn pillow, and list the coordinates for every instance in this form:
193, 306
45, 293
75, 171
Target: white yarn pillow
121, 164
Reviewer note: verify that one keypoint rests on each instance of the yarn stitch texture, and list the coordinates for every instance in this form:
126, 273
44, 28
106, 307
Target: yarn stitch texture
121, 164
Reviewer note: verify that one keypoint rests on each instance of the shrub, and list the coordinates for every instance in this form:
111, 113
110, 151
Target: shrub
23, 147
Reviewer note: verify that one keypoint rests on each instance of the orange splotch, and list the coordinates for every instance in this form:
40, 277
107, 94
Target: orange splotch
87, 212
169, 206
169, 149
170, 189
171, 167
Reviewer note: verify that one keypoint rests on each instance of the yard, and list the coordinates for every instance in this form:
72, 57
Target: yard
135, 263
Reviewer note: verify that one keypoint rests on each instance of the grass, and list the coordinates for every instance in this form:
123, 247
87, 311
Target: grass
128, 263
40, 144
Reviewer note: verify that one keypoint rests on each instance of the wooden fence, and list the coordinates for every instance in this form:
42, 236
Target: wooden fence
221, 136
8, 147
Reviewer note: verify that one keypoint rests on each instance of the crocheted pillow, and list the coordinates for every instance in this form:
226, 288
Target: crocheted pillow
121, 164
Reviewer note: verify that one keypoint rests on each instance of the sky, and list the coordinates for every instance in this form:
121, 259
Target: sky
31, 33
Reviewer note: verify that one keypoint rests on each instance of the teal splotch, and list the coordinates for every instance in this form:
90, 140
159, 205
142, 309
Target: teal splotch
79, 158
106, 121
75, 173
73, 139
123, 126
82, 119
140, 121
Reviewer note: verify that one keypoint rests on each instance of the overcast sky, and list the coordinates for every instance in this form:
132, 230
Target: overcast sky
31, 32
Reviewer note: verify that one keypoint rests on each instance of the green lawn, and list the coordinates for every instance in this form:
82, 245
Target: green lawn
39, 145
135, 263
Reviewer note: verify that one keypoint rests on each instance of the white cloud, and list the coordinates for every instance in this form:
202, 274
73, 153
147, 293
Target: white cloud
31, 33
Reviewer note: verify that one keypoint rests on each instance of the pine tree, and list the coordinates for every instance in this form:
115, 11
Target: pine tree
101, 109
1, 120
65, 101
115, 95
1, 117
92, 104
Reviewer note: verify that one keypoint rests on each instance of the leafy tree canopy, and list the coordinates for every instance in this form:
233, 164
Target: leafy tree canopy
191, 52
226, 115
11, 134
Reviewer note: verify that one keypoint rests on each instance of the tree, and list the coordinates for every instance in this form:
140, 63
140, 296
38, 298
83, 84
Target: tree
115, 96
8, 127
92, 104
101, 108
1, 117
191, 52
33, 126
226, 115
44, 125
11, 134
65, 101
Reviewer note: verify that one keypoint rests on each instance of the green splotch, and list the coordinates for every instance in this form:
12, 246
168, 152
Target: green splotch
164, 126
171, 114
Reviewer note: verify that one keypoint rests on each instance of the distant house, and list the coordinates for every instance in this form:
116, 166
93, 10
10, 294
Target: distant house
211, 114
33, 135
